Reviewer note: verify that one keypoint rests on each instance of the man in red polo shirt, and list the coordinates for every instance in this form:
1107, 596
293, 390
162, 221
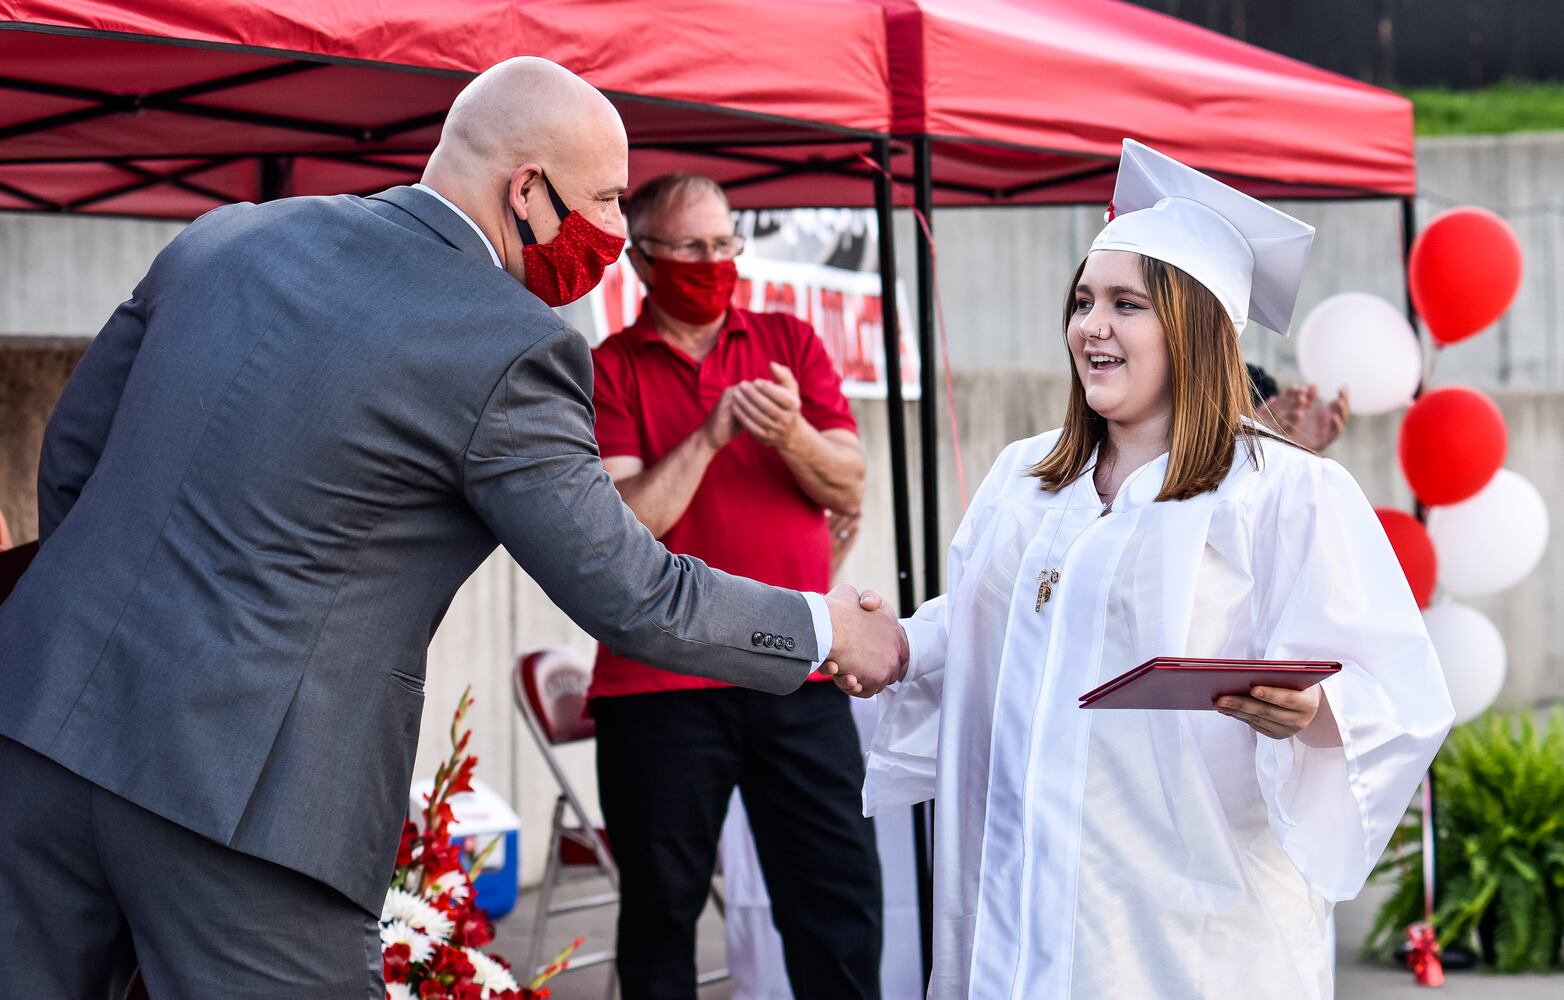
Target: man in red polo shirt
727, 433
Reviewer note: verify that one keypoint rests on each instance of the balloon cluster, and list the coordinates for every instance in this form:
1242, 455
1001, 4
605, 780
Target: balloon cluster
1486, 526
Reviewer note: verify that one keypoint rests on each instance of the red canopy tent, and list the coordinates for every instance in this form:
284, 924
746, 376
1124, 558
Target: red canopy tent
165, 108
168, 108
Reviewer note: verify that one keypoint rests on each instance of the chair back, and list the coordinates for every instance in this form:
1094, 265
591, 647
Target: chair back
551, 688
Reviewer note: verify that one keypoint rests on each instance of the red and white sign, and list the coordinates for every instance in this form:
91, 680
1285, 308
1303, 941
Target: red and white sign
843, 306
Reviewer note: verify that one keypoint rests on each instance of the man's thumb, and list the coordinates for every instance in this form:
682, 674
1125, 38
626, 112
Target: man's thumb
784, 376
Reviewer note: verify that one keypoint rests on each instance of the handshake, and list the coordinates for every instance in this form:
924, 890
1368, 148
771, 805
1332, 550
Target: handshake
869, 647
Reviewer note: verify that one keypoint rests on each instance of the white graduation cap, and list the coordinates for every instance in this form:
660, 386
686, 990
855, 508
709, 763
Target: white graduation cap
1247, 253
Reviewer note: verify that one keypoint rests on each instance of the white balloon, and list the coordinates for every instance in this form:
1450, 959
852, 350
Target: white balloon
1362, 342
1471, 651
1490, 542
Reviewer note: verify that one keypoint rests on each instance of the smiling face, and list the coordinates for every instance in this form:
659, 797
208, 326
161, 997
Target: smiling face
1116, 341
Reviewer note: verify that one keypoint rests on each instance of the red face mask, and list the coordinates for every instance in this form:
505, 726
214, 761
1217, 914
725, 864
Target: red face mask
572, 263
696, 291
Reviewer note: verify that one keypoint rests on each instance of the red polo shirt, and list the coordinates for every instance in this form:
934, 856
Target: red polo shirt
749, 516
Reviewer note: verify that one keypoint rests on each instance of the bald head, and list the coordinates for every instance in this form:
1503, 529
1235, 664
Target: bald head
517, 121
527, 109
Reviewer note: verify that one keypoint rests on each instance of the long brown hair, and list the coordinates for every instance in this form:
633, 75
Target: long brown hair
1212, 407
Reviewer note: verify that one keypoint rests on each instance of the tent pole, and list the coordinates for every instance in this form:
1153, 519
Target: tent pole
928, 438
928, 403
1430, 867
906, 598
901, 504
276, 177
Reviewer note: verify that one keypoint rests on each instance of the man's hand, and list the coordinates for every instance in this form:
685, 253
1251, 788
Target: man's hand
769, 410
844, 532
870, 649
722, 424
1299, 414
1321, 423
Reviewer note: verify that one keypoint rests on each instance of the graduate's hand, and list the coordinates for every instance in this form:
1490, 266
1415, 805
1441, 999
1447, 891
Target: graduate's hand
866, 640
1275, 712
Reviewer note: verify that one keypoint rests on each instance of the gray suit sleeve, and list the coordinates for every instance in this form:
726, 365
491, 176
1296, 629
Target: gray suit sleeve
74, 438
533, 473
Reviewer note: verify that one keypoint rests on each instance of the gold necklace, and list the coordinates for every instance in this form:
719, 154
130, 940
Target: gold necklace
1048, 578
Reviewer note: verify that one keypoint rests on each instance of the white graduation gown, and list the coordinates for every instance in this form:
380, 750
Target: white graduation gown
1135, 854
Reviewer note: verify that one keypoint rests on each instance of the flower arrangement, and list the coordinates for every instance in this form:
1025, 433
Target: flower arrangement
431, 930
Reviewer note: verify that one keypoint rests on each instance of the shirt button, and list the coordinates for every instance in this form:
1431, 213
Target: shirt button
755, 639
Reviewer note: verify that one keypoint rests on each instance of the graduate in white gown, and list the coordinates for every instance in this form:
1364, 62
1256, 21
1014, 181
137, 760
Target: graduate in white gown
1121, 855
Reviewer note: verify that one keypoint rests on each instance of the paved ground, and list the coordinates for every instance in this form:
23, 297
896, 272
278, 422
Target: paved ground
1355, 979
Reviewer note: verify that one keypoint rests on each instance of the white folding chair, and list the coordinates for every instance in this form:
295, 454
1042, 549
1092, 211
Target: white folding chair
550, 688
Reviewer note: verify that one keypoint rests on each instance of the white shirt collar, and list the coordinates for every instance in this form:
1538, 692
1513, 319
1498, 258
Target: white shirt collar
452, 206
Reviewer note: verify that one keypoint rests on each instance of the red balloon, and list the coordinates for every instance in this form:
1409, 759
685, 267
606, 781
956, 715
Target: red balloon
1414, 550
1464, 272
1452, 442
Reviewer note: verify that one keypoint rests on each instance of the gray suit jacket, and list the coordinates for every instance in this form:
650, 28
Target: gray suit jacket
260, 491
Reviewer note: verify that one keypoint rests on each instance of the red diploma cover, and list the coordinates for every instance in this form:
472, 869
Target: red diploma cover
12, 563
1195, 684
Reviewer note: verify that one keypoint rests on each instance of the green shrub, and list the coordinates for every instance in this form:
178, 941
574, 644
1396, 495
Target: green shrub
1511, 106
1498, 847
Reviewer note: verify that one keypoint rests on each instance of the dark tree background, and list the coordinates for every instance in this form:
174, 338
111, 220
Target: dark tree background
1401, 43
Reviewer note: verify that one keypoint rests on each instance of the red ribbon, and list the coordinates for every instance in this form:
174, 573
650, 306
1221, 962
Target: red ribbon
1423, 960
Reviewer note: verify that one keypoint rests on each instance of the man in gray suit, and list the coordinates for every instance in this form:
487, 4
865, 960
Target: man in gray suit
261, 488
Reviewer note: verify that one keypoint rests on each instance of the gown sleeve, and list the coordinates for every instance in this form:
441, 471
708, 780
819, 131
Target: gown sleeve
899, 770
1333, 590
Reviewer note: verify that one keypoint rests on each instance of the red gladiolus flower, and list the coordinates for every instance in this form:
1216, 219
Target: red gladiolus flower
395, 962
453, 962
404, 851
473, 930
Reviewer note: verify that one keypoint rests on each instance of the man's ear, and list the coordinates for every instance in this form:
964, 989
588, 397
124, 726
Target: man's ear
522, 179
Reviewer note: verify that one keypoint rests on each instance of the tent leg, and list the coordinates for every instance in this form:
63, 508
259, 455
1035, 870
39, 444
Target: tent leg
897, 414
906, 600
1430, 885
276, 177
900, 499
928, 439
928, 403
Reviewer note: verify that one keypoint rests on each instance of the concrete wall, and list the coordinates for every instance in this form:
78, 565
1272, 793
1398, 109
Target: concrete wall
1002, 275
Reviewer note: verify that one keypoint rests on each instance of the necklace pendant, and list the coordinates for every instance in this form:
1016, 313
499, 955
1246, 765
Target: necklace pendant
1045, 588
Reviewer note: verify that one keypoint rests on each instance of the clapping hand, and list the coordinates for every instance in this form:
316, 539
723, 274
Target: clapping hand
722, 424
870, 648
769, 410
1299, 413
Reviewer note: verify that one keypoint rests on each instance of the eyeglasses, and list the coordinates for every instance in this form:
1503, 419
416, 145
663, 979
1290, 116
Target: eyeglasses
721, 248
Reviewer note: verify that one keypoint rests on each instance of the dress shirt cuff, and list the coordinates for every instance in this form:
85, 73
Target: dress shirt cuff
923, 647
823, 635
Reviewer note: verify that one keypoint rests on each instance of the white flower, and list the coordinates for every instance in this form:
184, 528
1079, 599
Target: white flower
399, 991
416, 913
491, 975
398, 932
454, 882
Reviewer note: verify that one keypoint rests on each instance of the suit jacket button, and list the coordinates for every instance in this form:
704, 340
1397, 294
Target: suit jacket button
770, 640
755, 639
789, 644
